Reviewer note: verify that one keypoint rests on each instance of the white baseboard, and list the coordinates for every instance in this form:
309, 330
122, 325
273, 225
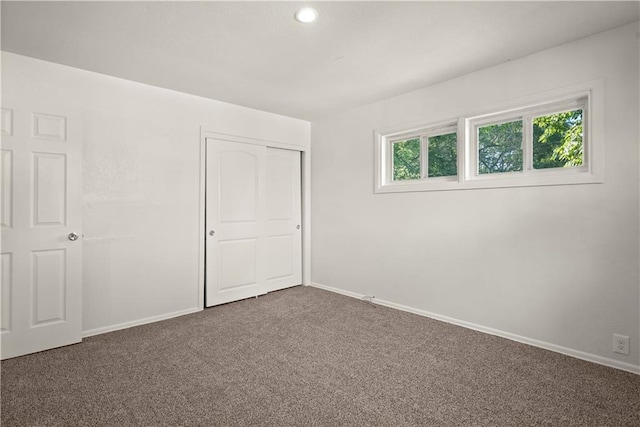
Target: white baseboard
530, 341
125, 325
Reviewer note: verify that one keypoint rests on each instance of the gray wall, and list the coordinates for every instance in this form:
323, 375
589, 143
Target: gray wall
141, 184
554, 266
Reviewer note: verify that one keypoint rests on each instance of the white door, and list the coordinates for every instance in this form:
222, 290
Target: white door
253, 242
235, 212
284, 234
41, 229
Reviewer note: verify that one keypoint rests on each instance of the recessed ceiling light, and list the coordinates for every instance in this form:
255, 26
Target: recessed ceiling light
306, 15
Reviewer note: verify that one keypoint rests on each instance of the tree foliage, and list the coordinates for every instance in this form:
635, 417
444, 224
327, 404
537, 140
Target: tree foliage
500, 147
557, 140
443, 155
406, 159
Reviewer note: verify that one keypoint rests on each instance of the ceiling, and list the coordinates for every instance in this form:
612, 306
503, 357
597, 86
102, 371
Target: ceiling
255, 54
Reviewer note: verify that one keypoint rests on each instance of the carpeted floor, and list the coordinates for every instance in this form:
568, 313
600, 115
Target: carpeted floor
307, 357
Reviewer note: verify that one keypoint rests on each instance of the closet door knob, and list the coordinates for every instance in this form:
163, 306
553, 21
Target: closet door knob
73, 236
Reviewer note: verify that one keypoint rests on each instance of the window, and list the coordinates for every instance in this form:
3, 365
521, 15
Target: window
553, 142
538, 139
425, 154
406, 159
558, 140
442, 154
500, 147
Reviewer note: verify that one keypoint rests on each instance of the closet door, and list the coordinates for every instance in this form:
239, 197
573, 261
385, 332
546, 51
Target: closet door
235, 221
283, 222
253, 213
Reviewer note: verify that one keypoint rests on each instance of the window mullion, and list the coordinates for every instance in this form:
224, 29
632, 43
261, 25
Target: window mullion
389, 160
527, 143
471, 150
424, 157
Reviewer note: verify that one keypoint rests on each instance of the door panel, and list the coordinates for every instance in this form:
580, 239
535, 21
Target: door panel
48, 283
41, 194
238, 186
237, 266
49, 190
283, 226
7, 286
235, 206
7, 189
280, 173
280, 250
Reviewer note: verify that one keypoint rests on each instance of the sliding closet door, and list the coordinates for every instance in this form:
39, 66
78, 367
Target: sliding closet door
284, 234
253, 214
235, 221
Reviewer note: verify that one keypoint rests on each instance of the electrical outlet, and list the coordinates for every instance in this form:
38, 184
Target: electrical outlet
620, 344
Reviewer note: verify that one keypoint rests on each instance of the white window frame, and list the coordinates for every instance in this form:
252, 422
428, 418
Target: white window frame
587, 96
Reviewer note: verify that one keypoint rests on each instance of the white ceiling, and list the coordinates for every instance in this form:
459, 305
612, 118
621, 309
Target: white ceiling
255, 54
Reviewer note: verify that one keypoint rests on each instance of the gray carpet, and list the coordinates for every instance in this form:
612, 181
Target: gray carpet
307, 357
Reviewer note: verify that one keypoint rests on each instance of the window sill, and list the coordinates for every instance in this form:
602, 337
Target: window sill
494, 181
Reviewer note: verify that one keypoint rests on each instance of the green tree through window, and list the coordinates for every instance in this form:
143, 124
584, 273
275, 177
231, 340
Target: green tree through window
557, 140
443, 155
500, 148
406, 159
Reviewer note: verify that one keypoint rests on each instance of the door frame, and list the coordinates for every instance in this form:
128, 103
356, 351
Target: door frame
305, 185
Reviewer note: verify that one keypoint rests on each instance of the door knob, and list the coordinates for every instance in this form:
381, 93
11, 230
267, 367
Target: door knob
298, 227
73, 236
211, 232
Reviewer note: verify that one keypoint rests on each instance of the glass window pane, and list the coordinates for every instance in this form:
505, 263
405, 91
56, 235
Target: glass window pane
406, 159
557, 140
500, 148
443, 155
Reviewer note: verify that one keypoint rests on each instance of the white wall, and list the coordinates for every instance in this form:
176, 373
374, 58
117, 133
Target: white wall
141, 195
554, 266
